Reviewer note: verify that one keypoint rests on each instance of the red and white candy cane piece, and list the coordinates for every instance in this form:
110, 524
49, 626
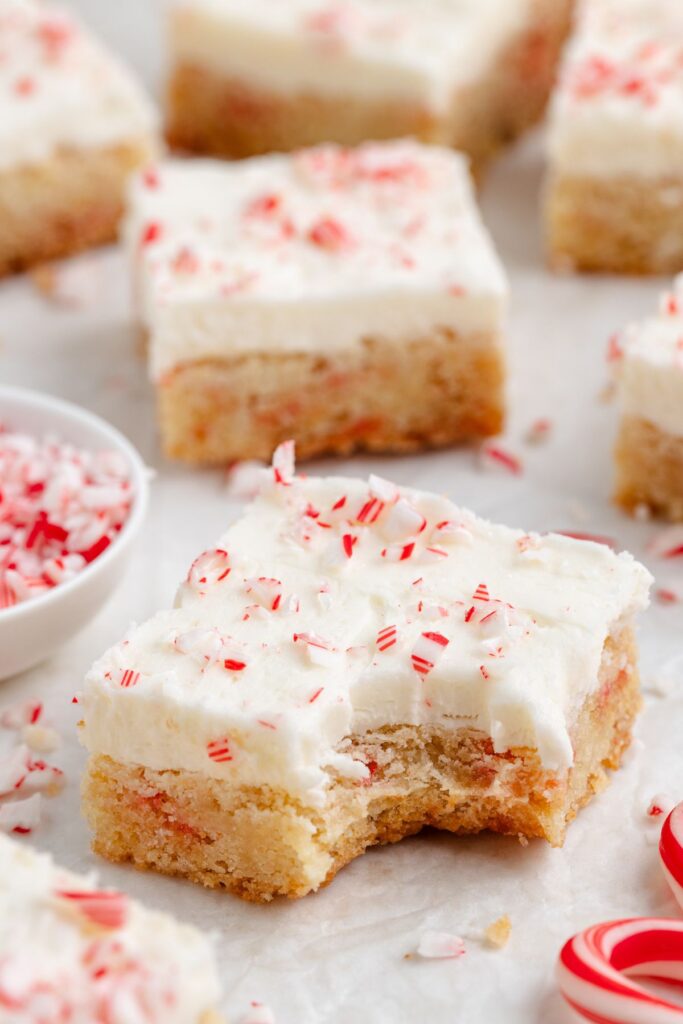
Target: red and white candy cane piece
211, 567
427, 651
266, 591
402, 521
386, 638
597, 966
104, 909
219, 750
283, 463
671, 853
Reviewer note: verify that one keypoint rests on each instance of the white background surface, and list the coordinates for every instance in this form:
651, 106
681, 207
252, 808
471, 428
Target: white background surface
338, 957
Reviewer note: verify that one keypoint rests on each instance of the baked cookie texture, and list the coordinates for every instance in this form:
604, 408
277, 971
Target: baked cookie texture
353, 662
350, 299
257, 78
614, 195
648, 358
71, 951
73, 126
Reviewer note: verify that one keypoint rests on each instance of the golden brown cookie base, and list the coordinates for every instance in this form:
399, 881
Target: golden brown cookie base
649, 469
67, 203
261, 843
623, 225
214, 114
382, 396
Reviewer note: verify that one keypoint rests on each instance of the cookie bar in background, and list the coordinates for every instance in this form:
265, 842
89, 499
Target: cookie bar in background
648, 357
615, 190
350, 299
73, 125
250, 78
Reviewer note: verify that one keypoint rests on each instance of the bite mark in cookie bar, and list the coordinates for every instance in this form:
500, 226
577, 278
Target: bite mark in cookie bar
649, 453
351, 663
615, 190
73, 127
71, 951
253, 79
348, 298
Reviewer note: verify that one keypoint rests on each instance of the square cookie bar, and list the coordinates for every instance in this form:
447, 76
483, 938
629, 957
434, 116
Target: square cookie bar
352, 662
615, 189
72, 952
251, 78
649, 361
346, 298
73, 126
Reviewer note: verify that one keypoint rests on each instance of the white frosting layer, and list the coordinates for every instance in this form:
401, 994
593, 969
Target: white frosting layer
58, 964
310, 252
651, 368
421, 52
59, 87
619, 106
276, 651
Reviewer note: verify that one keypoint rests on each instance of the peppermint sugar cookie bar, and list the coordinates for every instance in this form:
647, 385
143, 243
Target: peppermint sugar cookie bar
615, 189
73, 126
352, 662
648, 357
253, 78
72, 952
346, 298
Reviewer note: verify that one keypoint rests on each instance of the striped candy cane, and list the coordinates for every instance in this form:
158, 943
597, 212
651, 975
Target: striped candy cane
597, 966
671, 852
596, 970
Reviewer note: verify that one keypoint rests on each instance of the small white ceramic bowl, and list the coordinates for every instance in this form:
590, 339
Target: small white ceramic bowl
34, 629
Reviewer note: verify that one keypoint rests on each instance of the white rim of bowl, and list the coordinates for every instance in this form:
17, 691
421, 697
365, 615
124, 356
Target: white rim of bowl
139, 480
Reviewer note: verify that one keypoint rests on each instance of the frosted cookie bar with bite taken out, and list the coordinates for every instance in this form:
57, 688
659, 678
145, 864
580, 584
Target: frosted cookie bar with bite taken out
352, 662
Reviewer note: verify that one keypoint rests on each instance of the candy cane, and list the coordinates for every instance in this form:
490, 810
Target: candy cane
596, 966
671, 852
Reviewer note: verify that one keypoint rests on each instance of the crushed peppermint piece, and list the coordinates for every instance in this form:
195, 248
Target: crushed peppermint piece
258, 1013
386, 638
593, 538
21, 773
402, 521
660, 807
440, 946
539, 431
245, 479
219, 750
427, 651
667, 543
495, 456
104, 909
210, 568
664, 595
21, 816
60, 508
283, 463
